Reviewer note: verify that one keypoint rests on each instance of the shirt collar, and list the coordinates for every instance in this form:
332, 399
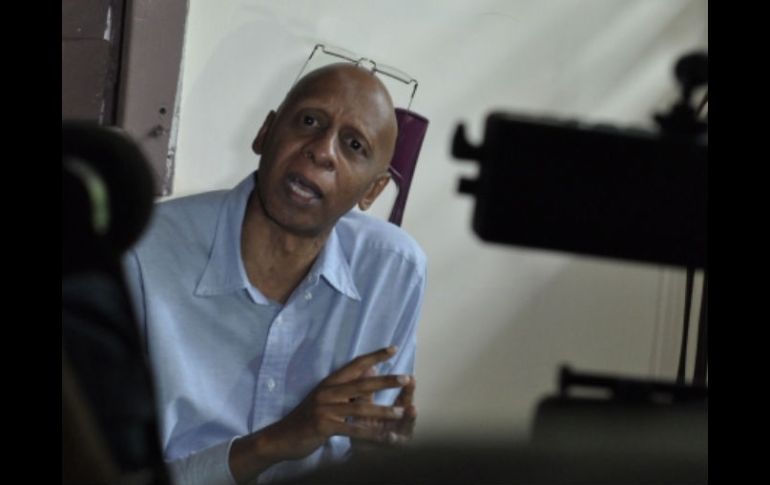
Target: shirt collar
334, 267
224, 271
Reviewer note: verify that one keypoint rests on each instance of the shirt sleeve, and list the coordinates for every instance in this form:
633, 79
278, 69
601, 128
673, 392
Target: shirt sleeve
206, 467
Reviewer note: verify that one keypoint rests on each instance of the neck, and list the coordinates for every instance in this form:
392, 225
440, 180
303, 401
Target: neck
275, 260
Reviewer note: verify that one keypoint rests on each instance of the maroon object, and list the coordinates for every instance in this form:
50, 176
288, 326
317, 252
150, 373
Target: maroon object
411, 133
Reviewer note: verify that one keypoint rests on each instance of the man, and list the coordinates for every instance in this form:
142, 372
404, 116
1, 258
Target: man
279, 321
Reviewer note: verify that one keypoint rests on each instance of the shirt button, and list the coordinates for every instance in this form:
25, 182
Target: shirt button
270, 384
308, 295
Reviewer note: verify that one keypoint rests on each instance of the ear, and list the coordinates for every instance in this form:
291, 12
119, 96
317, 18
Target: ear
375, 189
259, 141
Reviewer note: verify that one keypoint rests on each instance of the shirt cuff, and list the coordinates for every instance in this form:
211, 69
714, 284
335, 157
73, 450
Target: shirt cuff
206, 467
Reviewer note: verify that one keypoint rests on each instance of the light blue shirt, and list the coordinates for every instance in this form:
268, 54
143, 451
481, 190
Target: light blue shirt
227, 361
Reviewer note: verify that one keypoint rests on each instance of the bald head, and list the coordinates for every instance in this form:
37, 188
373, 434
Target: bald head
325, 150
358, 90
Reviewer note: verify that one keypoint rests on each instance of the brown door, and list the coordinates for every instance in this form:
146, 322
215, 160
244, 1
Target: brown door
121, 61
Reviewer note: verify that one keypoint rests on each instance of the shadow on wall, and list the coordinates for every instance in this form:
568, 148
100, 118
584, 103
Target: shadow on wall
596, 315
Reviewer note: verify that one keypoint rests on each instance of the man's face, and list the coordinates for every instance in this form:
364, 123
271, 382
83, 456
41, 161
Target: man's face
326, 150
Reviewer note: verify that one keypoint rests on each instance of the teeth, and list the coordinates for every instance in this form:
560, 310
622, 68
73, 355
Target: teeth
300, 190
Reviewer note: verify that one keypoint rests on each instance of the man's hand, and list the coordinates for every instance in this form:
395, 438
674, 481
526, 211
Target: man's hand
341, 404
399, 431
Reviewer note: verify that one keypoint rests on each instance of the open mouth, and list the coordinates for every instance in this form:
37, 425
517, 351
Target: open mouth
303, 188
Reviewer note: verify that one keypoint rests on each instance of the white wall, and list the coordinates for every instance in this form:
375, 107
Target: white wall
497, 320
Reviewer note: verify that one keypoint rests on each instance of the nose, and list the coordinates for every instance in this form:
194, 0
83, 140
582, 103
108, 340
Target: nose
322, 151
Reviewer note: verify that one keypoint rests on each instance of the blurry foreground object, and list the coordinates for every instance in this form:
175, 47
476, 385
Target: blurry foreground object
109, 431
597, 190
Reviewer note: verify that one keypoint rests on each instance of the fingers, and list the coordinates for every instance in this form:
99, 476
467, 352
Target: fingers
363, 411
405, 426
402, 426
370, 372
406, 396
345, 398
361, 388
358, 366
376, 435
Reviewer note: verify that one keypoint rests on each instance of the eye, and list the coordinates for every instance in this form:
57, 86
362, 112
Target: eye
308, 120
357, 147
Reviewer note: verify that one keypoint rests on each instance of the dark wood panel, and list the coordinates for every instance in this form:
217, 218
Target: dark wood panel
153, 37
84, 79
84, 19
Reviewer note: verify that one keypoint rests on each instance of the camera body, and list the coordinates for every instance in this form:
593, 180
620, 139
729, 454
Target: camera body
598, 190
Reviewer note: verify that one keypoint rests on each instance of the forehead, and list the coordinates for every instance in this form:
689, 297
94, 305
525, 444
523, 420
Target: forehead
355, 94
